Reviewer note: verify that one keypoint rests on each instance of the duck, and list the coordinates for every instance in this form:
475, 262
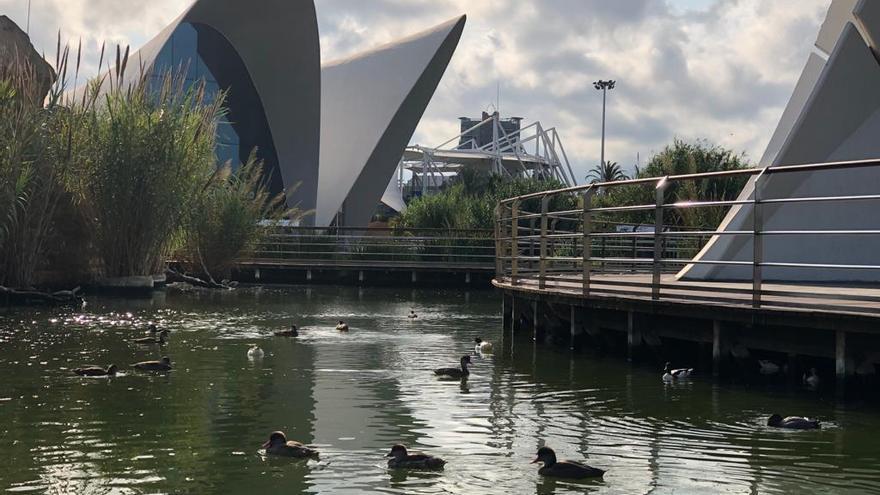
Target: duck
162, 365
793, 422
456, 372
412, 315
812, 379
482, 347
768, 367
279, 445
564, 469
342, 326
96, 371
400, 458
670, 374
292, 332
161, 339
255, 352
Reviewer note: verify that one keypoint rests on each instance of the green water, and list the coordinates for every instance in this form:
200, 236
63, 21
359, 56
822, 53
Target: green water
198, 429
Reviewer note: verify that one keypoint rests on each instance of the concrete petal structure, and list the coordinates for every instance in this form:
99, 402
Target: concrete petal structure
241, 46
329, 136
833, 115
370, 106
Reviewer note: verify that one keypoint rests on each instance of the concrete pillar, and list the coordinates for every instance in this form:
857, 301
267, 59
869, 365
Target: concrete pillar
633, 336
840, 360
414, 277
513, 316
571, 329
256, 274
716, 348
467, 277
361, 276
308, 275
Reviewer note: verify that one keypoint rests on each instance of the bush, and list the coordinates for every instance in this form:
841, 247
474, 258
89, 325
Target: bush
231, 218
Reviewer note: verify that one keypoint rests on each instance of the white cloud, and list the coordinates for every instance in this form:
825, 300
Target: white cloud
720, 70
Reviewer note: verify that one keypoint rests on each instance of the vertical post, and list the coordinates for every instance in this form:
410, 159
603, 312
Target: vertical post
658, 238
602, 159
513, 314
256, 274
572, 328
503, 313
840, 360
499, 263
757, 241
633, 337
514, 243
534, 321
587, 242
542, 261
716, 348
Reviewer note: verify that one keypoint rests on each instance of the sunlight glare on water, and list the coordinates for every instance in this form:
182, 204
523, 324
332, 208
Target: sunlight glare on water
198, 429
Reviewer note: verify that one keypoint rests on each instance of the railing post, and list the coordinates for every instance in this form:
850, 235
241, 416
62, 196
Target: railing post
542, 261
658, 238
587, 241
499, 262
757, 241
514, 242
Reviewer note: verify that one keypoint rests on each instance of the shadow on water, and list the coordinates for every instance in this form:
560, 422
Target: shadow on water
197, 429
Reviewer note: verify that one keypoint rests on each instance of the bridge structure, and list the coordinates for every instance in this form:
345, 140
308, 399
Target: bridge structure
585, 283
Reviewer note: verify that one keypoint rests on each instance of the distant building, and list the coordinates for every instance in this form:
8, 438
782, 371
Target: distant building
482, 136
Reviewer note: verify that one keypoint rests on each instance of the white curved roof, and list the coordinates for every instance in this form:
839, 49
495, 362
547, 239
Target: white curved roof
370, 105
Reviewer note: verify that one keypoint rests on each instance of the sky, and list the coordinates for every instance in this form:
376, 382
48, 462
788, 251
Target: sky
718, 70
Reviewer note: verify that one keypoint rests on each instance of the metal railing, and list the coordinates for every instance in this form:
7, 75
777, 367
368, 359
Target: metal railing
386, 247
570, 240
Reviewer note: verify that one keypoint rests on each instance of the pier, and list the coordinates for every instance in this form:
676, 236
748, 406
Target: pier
590, 276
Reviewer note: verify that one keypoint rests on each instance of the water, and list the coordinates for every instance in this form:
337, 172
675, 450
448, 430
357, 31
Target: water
198, 429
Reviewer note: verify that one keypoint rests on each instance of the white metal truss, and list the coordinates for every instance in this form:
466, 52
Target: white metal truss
531, 151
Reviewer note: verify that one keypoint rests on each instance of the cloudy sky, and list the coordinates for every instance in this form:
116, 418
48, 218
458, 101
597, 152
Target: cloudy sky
720, 70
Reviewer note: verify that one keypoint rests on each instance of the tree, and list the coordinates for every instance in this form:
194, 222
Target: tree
606, 172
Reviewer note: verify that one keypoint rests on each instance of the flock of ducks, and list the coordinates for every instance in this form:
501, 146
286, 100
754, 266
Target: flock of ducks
154, 337
671, 375
399, 457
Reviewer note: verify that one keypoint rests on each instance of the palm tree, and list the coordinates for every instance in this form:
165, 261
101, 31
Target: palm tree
606, 172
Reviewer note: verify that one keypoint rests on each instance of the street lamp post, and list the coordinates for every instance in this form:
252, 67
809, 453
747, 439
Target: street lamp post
605, 86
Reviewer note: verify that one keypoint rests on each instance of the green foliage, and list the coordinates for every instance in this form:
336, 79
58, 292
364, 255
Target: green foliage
145, 155
470, 202
681, 158
606, 172
233, 215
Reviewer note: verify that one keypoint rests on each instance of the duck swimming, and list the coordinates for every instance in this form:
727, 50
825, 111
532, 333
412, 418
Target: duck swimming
456, 372
812, 380
292, 332
342, 326
162, 365
564, 469
481, 346
670, 374
793, 422
96, 371
255, 352
161, 339
412, 315
400, 458
280, 446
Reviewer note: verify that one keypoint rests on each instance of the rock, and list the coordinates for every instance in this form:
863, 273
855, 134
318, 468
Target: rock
15, 48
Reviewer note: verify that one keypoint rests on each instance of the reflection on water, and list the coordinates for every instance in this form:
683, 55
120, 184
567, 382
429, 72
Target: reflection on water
198, 429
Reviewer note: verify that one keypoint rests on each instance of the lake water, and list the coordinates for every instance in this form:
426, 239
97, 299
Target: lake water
198, 429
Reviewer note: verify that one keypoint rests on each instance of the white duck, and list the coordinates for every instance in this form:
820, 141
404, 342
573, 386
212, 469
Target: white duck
812, 379
481, 346
670, 374
255, 352
768, 367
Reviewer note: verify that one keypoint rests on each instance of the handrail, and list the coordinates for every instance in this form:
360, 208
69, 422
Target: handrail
537, 244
